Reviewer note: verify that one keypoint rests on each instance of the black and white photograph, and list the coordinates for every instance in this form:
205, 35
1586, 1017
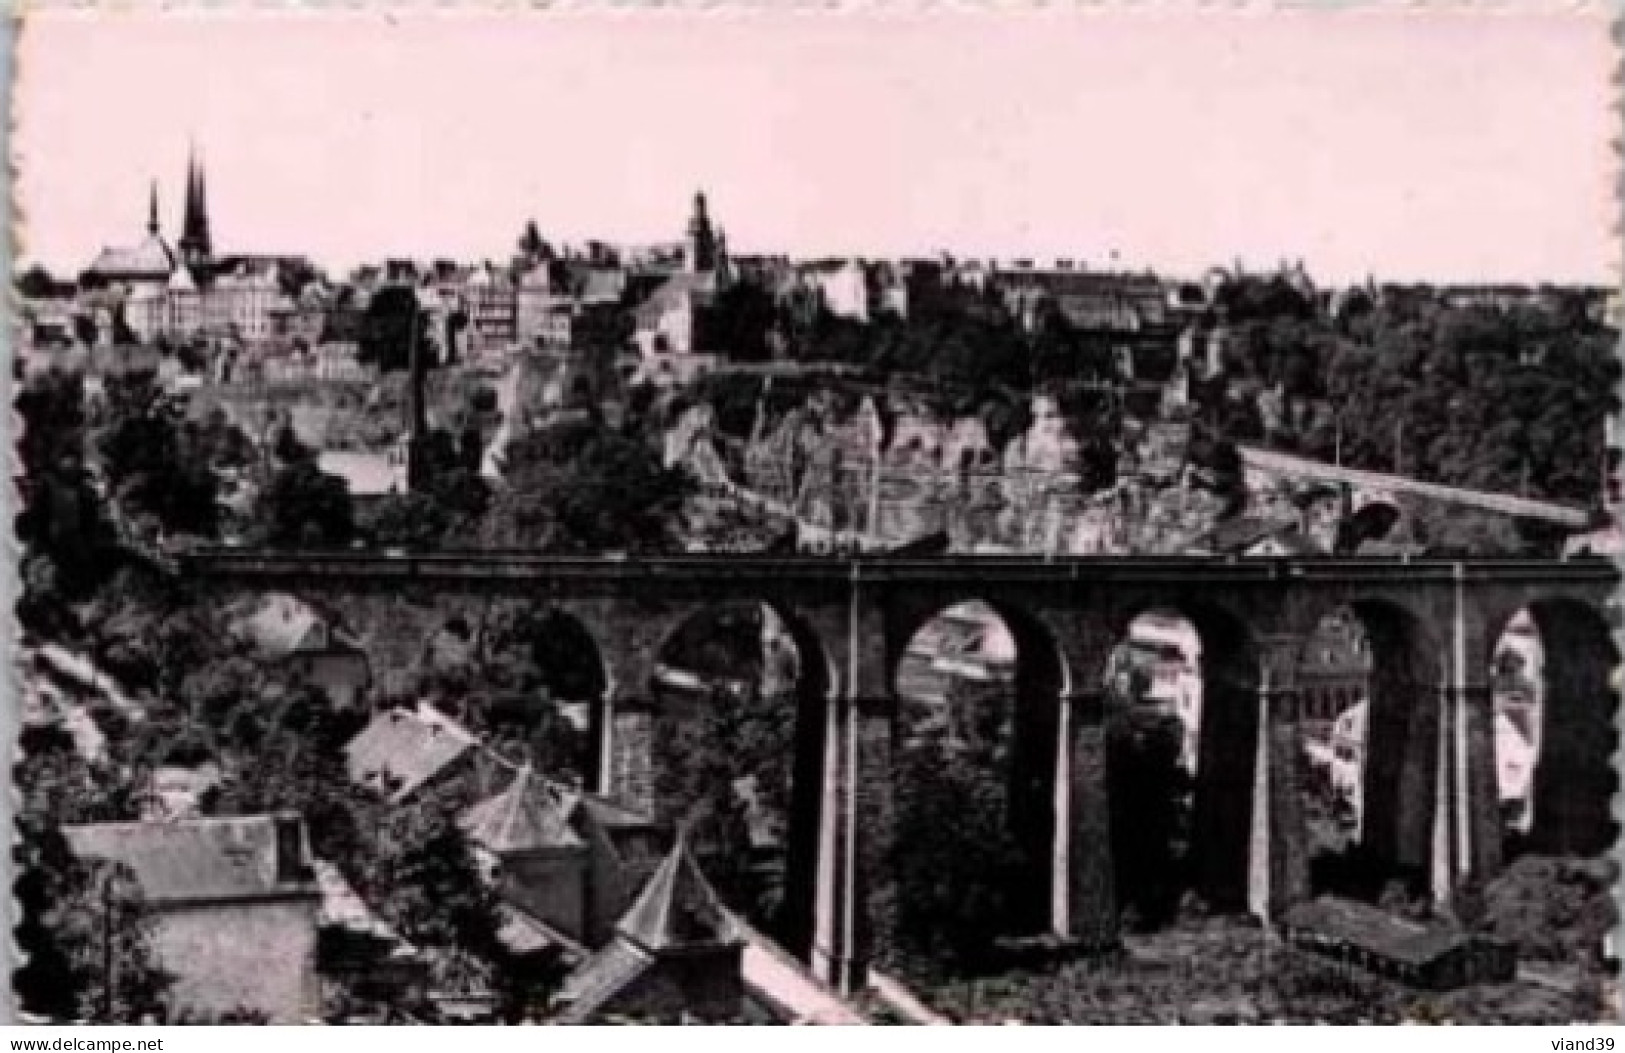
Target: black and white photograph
878, 515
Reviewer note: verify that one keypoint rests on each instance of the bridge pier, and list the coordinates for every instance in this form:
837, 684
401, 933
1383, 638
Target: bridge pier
1466, 843
1467, 811
851, 920
622, 733
837, 901
1278, 870
873, 825
1278, 849
1481, 826
1085, 902
600, 773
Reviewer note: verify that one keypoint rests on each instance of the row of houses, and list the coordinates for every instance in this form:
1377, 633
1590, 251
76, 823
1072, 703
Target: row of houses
246, 918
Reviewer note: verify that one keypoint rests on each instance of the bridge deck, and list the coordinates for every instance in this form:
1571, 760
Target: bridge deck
1504, 504
529, 564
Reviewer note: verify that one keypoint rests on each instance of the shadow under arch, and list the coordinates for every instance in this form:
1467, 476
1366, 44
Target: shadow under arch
781, 701
1399, 757
1574, 779
1038, 682
522, 671
1216, 865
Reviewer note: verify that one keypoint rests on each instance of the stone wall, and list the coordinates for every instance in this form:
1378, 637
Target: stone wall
631, 780
258, 956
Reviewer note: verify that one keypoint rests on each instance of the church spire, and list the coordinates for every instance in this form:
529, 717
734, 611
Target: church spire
195, 243
152, 210
191, 190
203, 206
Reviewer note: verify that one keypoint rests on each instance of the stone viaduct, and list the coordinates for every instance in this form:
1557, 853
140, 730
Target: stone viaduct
1431, 801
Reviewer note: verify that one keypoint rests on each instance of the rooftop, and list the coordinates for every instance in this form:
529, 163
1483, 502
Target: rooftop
283, 625
150, 258
401, 750
365, 474
529, 814
678, 908
188, 860
1367, 927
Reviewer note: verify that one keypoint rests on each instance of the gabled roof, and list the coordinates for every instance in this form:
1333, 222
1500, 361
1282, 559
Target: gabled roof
528, 815
523, 933
678, 909
601, 285
181, 280
188, 860
284, 625
343, 908
151, 258
611, 970
399, 751
673, 293
785, 990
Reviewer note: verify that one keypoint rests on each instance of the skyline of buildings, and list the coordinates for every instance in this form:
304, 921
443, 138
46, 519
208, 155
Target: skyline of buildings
1406, 145
193, 252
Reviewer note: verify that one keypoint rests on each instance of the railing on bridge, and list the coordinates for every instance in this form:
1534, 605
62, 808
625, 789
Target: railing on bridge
1505, 504
488, 564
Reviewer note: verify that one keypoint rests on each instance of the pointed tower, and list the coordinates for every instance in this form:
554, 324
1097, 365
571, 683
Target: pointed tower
678, 911
701, 257
152, 210
541, 861
197, 249
676, 953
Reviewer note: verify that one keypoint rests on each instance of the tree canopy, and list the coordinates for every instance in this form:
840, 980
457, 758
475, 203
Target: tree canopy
156, 461
393, 327
584, 487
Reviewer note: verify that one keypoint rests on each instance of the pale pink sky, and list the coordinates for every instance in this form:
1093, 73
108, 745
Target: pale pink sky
1447, 145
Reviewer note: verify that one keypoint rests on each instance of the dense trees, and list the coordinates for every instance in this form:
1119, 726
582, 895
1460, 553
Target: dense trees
304, 507
1498, 397
87, 935
742, 323
1150, 799
69, 544
449, 503
584, 487
722, 762
278, 742
532, 247
155, 461
955, 881
723, 753
393, 328
508, 679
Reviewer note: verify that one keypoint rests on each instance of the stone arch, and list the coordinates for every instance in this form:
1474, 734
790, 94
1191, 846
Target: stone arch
1574, 779
1038, 682
1372, 518
1226, 746
542, 672
793, 814
576, 664
1399, 759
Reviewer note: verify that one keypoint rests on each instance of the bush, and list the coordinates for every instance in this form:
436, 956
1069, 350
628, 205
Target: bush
1552, 909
